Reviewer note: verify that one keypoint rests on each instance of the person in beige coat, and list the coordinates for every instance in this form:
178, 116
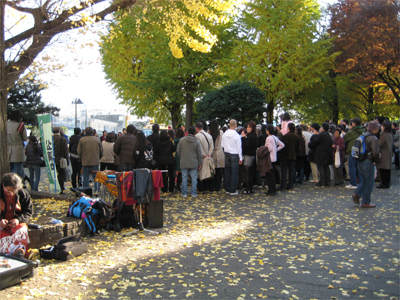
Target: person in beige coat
217, 155
386, 146
16, 136
207, 148
90, 151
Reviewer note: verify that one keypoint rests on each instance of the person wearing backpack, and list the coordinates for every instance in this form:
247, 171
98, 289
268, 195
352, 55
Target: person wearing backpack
366, 167
350, 138
144, 152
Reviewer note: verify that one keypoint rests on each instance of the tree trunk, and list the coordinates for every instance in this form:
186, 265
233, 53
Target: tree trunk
335, 100
370, 104
189, 110
4, 163
270, 112
175, 115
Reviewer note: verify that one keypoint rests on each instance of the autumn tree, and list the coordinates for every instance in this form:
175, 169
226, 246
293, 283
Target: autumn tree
367, 36
282, 54
27, 28
241, 101
148, 78
26, 97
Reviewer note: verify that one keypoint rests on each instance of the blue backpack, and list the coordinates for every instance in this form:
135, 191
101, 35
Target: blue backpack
82, 208
359, 151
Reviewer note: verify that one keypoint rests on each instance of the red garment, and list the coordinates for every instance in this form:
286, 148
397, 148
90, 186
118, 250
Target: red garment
9, 204
157, 183
11, 240
125, 187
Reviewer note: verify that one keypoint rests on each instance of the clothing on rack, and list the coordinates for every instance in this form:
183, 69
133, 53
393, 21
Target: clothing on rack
125, 187
143, 187
157, 183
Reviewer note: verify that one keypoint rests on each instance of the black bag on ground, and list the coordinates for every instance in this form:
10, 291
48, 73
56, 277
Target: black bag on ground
66, 248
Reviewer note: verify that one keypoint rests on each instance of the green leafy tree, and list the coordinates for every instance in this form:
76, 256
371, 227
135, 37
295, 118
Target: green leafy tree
26, 97
241, 101
148, 78
282, 54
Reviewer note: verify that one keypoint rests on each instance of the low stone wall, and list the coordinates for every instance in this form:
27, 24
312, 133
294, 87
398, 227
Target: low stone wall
50, 234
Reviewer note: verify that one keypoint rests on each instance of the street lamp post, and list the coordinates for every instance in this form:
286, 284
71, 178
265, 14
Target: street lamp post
76, 102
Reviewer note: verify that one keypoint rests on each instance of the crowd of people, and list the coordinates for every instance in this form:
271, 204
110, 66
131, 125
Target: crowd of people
230, 157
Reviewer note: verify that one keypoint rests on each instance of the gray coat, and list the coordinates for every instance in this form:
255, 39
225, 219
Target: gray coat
189, 151
386, 145
15, 142
90, 150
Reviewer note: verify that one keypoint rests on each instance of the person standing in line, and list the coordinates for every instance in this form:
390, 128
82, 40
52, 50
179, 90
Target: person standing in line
323, 154
288, 161
34, 154
164, 154
16, 136
350, 138
60, 151
125, 147
232, 145
338, 145
179, 135
207, 148
107, 160
311, 154
274, 145
217, 155
191, 159
307, 167
249, 148
366, 167
385, 164
74, 158
90, 152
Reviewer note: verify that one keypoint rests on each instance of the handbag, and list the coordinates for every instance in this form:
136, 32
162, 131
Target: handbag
63, 163
337, 158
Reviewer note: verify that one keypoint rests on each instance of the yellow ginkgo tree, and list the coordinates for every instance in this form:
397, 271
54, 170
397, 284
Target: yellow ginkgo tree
28, 27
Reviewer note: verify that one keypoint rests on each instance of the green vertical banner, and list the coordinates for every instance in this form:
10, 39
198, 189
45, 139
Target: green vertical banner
46, 134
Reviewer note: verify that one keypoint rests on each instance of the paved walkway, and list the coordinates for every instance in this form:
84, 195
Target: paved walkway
312, 243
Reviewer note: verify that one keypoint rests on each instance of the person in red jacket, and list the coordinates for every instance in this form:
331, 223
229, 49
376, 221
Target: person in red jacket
338, 145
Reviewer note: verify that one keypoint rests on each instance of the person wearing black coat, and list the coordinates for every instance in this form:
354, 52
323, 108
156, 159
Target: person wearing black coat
249, 148
288, 158
74, 157
34, 154
323, 154
144, 152
163, 154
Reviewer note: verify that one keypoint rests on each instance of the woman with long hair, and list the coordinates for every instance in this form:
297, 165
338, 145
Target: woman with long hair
218, 155
16, 209
165, 160
249, 148
144, 152
386, 146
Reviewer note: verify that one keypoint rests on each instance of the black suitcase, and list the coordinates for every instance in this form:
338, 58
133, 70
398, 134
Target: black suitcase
66, 248
14, 270
155, 214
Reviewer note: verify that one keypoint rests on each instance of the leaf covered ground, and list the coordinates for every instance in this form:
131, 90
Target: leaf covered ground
312, 243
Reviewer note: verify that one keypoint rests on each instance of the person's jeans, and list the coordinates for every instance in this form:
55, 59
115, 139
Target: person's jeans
86, 171
18, 168
216, 181
168, 178
367, 173
353, 170
285, 165
193, 176
34, 177
231, 173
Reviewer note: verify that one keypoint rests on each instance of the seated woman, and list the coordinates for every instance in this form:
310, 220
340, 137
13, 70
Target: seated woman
15, 212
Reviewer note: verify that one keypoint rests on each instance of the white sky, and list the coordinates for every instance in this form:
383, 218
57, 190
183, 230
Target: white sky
85, 81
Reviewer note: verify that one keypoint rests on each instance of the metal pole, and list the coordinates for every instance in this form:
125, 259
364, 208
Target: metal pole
75, 112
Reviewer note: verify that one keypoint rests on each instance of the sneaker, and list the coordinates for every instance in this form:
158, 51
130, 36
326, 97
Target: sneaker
368, 205
184, 196
194, 196
313, 181
234, 194
351, 186
228, 193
